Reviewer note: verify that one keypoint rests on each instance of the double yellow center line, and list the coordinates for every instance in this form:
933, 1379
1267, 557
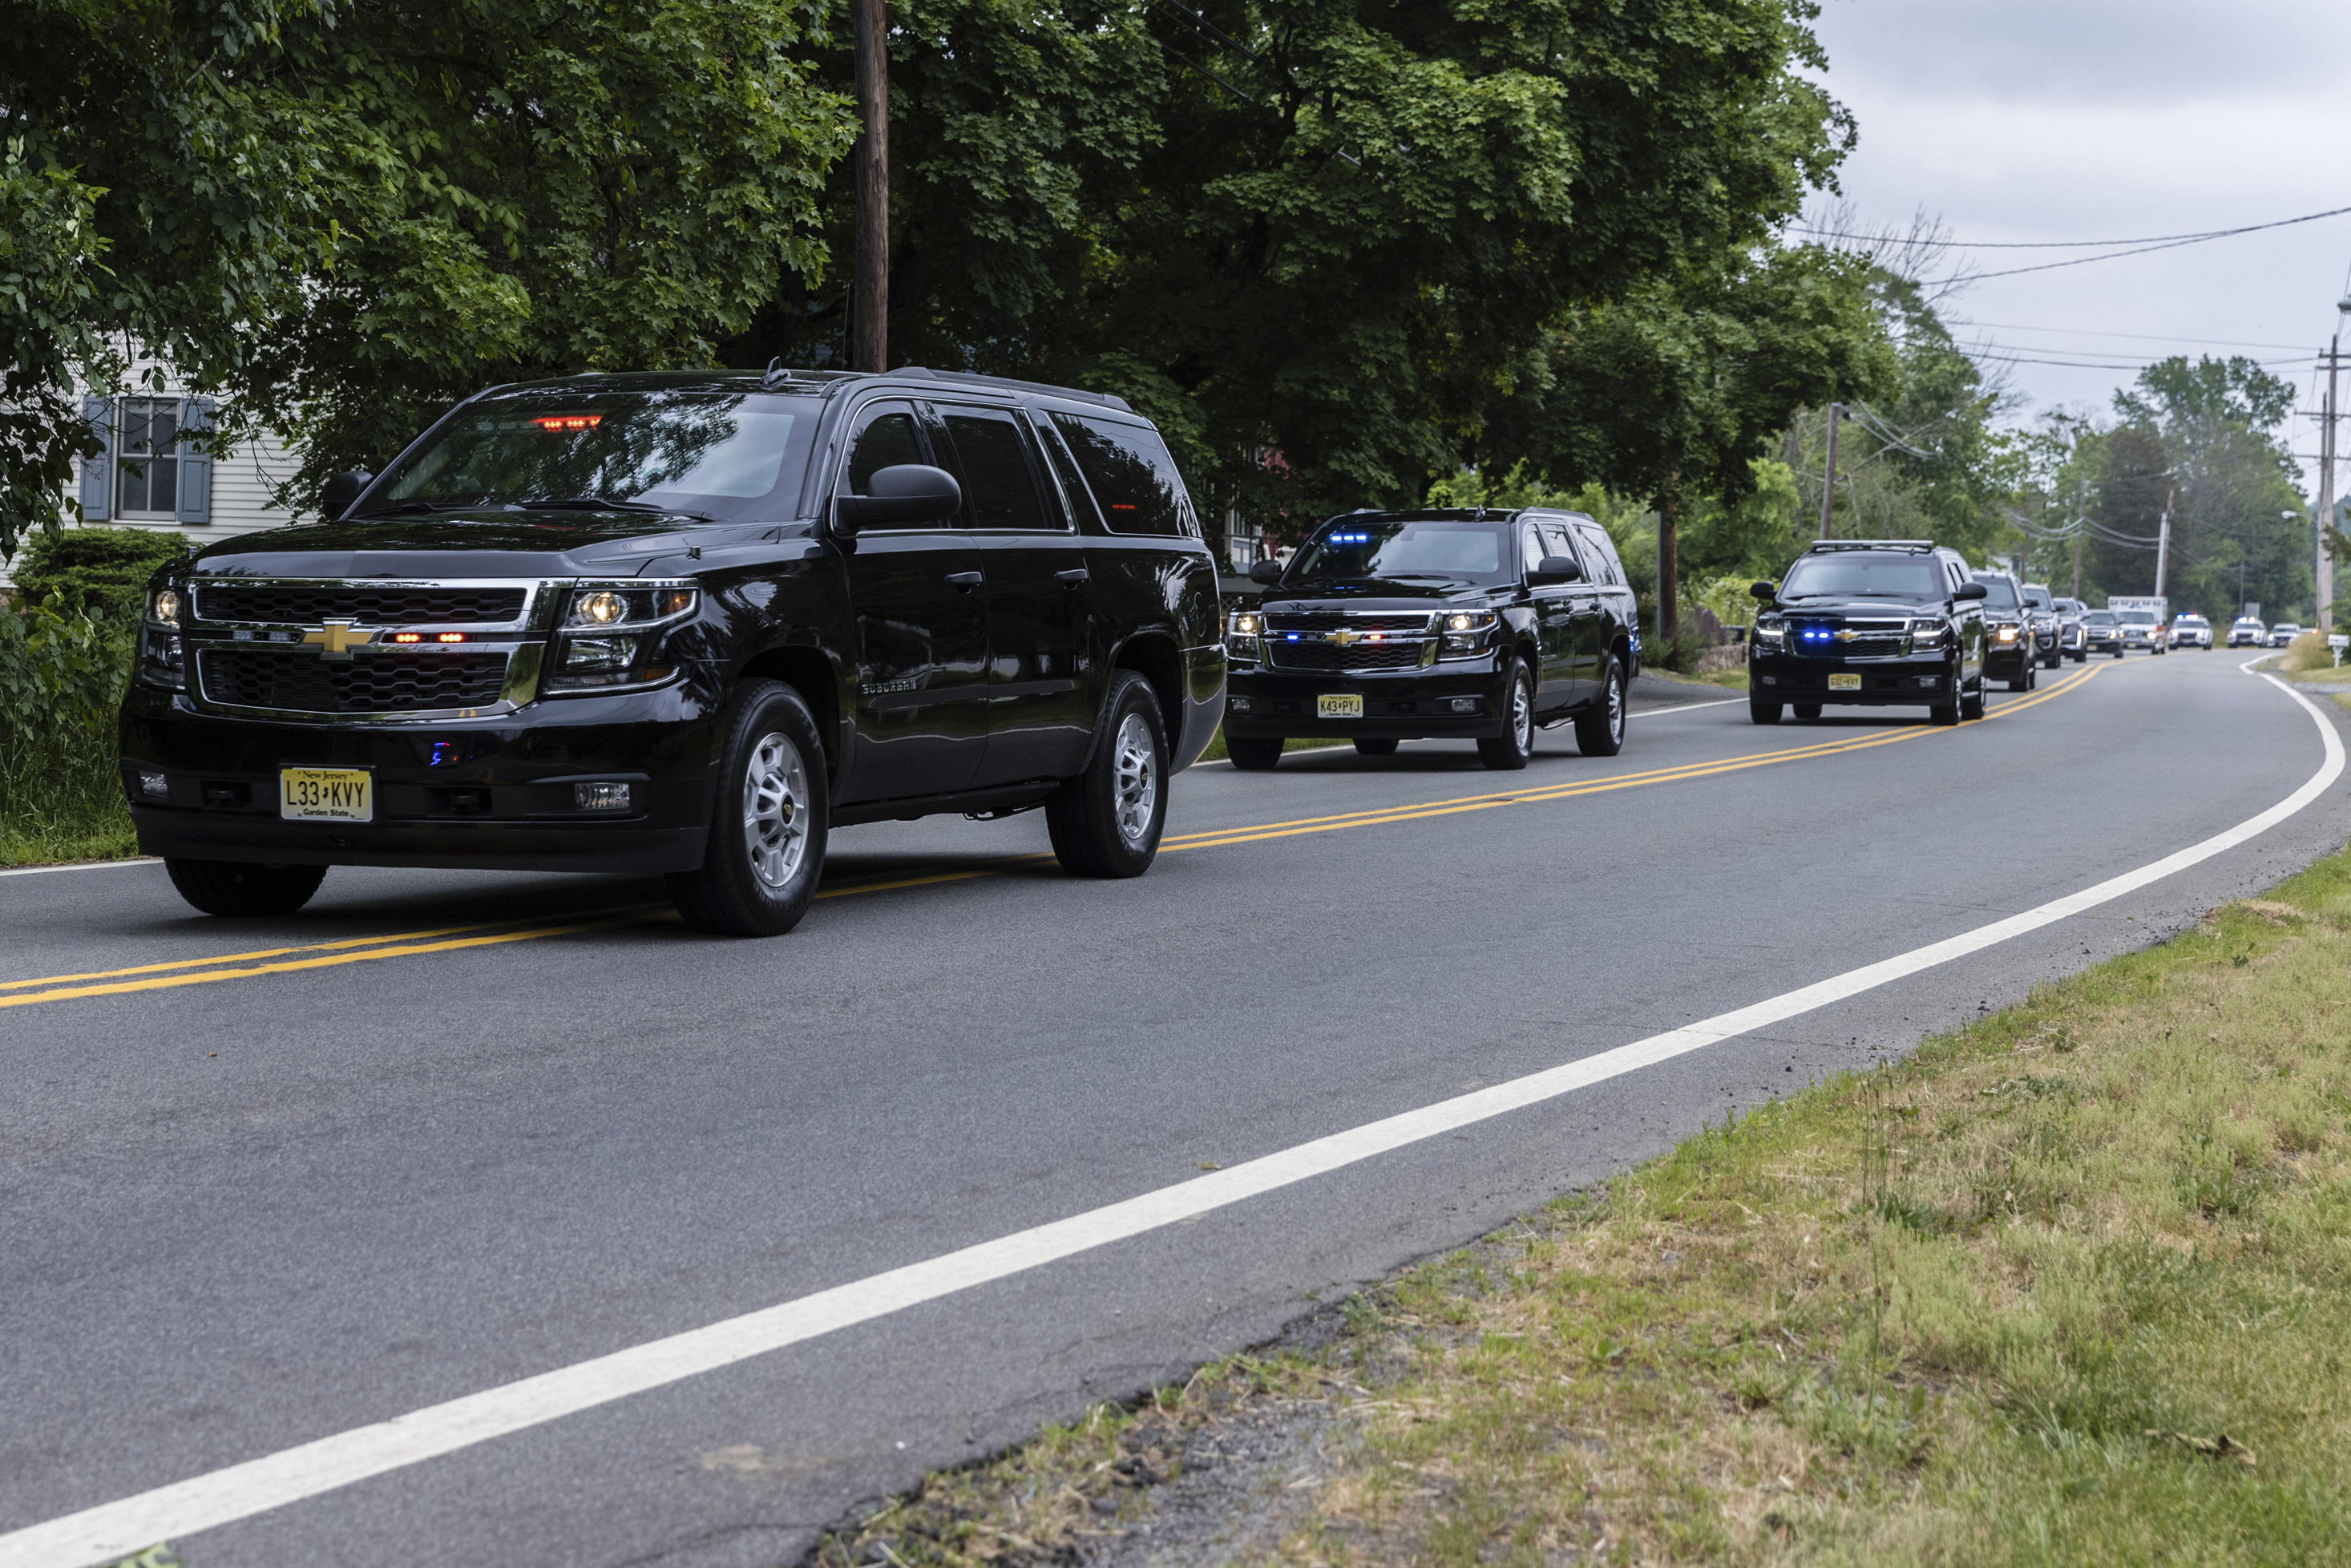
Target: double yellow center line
490, 933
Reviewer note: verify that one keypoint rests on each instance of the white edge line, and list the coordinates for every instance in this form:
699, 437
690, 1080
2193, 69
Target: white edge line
239, 1491
82, 865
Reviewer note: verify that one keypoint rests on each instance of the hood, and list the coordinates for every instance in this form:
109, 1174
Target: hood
491, 542
1371, 598
1861, 609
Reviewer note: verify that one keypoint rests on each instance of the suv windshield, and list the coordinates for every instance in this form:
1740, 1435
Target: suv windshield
1852, 574
1425, 551
2000, 592
2038, 597
718, 455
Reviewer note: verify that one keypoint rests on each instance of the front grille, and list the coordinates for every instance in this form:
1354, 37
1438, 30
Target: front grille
1867, 639
1334, 620
304, 606
299, 680
1356, 656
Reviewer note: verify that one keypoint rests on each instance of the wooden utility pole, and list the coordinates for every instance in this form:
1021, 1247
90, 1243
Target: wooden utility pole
1828, 479
2326, 578
870, 281
1669, 608
2081, 527
2163, 542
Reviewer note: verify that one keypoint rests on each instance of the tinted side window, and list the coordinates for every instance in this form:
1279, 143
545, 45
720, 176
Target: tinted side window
888, 440
1065, 469
998, 490
1533, 546
1131, 474
1600, 554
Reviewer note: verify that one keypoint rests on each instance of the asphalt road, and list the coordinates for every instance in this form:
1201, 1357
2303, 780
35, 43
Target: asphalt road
241, 1215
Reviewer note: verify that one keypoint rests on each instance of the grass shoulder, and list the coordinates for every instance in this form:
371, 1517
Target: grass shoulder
2067, 1285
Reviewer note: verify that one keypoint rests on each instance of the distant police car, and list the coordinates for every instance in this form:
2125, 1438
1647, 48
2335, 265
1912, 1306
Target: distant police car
1873, 622
2191, 631
2247, 632
2284, 632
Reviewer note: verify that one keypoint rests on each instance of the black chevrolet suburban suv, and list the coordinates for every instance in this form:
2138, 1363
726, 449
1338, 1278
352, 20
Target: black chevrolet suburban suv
1871, 622
687, 625
1469, 624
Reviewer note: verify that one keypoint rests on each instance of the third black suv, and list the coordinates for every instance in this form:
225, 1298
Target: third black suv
1872, 622
1388, 626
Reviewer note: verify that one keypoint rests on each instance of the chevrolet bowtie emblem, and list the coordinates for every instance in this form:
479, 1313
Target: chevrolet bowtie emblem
1847, 635
336, 639
1343, 636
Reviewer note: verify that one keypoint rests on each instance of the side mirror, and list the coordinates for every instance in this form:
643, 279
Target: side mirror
1971, 591
903, 493
1768, 592
1555, 568
1265, 571
342, 492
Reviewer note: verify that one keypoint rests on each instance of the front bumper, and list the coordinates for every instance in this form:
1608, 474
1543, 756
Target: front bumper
1929, 679
1266, 703
492, 794
2005, 659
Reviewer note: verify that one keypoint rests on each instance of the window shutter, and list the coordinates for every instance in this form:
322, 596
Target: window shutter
97, 472
195, 463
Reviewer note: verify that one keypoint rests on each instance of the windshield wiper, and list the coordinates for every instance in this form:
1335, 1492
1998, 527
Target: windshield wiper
405, 509
606, 504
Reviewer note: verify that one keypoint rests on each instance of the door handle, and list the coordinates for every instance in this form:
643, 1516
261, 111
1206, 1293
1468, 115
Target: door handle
1071, 578
964, 582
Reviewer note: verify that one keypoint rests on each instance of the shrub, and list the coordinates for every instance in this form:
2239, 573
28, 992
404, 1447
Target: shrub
2307, 652
62, 674
95, 569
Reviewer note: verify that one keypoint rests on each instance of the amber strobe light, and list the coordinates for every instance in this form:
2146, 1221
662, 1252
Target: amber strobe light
565, 424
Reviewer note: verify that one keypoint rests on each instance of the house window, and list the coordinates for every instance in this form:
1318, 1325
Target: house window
148, 465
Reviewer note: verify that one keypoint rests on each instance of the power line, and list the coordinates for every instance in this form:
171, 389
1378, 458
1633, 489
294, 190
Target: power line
2143, 337
2150, 240
2092, 364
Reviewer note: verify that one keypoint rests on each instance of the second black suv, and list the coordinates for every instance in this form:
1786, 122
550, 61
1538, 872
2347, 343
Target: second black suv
1870, 622
1389, 626
2008, 624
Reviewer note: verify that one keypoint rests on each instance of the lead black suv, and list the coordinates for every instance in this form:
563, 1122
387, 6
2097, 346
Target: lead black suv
1876, 622
1472, 624
687, 625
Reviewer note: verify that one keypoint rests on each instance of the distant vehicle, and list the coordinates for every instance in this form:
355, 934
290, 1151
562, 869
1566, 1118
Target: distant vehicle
2009, 653
2284, 632
2071, 641
2247, 632
2102, 633
2191, 630
2139, 629
2044, 624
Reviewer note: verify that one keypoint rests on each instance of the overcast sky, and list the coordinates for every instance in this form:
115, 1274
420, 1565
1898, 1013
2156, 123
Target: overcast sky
2022, 120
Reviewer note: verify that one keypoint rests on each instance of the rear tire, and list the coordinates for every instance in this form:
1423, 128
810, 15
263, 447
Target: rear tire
246, 889
770, 823
1600, 729
1106, 822
1371, 745
1762, 712
1971, 706
1805, 712
1251, 755
1508, 752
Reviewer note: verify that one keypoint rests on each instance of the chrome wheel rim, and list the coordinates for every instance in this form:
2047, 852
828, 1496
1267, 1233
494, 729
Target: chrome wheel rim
1522, 714
775, 810
1615, 705
1135, 762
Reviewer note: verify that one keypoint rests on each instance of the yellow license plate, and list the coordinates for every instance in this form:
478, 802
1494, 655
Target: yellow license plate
1845, 682
326, 794
1347, 706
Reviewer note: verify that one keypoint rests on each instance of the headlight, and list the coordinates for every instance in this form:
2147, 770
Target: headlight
1245, 625
1241, 632
615, 635
164, 608
1770, 633
1466, 633
1928, 633
162, 660
2008, 633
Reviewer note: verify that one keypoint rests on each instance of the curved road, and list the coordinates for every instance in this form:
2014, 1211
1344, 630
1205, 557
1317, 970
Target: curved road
267, 1184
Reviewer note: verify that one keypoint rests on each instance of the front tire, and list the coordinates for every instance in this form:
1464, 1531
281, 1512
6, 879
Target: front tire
244, 889
1762, 712
1372, 746
1971, 703
1252, 755
1600, 729
1513, 750
768, 832
1106, 822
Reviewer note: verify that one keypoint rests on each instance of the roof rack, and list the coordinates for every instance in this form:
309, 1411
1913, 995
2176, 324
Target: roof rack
921, 372
1820, 545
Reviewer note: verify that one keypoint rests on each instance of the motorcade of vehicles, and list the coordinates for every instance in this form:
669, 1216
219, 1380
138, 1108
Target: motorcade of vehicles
687, 625
2138, 629
1455, 623
2071, 642
2102, 633
2247, 632
2008, 651
2042, 607
2190, 630
1869, 623
2284, 632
